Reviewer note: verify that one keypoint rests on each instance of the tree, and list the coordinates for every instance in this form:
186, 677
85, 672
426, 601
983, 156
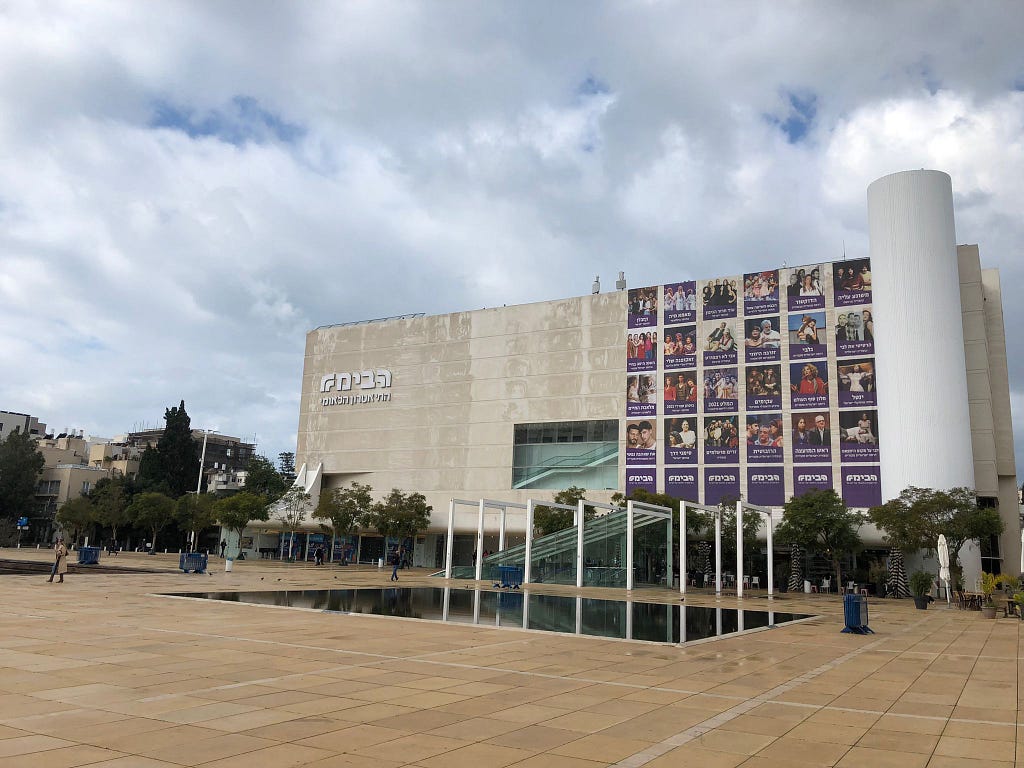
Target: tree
20, 465
153, 512
345, 508
548, 520
291, 511
696, 520
179, 458
820, 521
914, 520
194, 513
151, 473
111, 498
286, 465
236, 512
400, 515
262, 479
75, 516
752, 523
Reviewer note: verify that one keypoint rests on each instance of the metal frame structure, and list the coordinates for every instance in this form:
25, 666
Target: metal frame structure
579, 520
766, 512
714, 510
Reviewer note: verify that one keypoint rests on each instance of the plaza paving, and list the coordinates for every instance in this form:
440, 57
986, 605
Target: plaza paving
98, 671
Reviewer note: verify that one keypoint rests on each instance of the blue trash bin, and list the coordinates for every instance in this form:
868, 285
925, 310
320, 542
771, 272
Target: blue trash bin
510, 576
855, 615
88, 555
192, 561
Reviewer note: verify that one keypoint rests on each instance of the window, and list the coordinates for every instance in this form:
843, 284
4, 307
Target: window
86, 485
48, 488
556, 455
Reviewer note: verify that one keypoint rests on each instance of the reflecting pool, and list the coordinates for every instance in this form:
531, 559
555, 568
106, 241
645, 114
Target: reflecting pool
623, 619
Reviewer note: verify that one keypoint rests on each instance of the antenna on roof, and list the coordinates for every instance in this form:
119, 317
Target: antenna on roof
620, 284
844, 249
596, 288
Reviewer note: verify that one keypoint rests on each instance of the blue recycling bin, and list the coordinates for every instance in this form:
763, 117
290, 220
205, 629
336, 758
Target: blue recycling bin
510, 576
193, 561
855, 615
88, 555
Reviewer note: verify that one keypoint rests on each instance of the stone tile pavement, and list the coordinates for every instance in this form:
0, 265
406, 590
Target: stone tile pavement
100, 672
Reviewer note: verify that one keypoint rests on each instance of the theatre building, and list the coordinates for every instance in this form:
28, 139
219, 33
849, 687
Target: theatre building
865, 375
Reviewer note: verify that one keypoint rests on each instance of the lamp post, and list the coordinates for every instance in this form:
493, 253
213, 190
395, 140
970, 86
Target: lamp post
199, 482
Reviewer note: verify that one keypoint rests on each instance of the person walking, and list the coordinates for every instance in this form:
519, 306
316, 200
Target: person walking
319, 555
397, 560
60, 563
223, 546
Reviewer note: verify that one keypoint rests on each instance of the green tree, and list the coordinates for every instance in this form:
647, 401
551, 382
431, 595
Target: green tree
291, 512
400, 515
262, 479
697, 521
111, 497
345, 508
152, 512
20, 465
819, 521
194, 513
548, 520
286, 465
179, 455
76, 516
236, 512
914, 520
151, 472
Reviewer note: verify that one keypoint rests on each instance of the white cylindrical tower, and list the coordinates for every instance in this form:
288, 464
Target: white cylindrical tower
923, 419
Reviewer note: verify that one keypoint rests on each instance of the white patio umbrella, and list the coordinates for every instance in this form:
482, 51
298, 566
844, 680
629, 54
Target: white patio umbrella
944, 563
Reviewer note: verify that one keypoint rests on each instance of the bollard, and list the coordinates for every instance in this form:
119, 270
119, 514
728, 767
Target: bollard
228, 563
380, 562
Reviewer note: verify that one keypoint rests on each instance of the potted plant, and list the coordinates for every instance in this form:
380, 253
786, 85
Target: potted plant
989, 584
1018, 599
920, 587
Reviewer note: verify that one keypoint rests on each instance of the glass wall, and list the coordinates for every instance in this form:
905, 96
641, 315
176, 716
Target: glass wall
556, 455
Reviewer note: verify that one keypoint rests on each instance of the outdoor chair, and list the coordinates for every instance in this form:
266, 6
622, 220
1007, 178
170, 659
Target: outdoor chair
851, 588
755, 582
826, 585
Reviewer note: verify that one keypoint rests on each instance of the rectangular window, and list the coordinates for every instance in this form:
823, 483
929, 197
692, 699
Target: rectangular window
560, 454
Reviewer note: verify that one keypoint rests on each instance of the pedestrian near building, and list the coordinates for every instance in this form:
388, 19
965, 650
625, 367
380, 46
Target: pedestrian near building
397, 560
60, 563
223, 546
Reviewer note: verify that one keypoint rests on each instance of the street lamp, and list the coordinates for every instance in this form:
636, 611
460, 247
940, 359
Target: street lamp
199, 481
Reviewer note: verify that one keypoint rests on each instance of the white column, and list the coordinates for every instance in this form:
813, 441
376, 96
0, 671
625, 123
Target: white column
501, 531
629, 552
528, 550
668, 570
915, 283
739, 549
476, 606
526, 610
480, 543
579, 615
771, 556
450, 543
682, 548
445, 603
579, 543
629, 619
682, 623
718, 553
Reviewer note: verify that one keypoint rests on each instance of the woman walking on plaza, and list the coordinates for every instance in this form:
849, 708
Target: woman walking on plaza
60, 564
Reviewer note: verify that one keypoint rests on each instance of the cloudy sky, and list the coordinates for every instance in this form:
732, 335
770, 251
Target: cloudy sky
187, 188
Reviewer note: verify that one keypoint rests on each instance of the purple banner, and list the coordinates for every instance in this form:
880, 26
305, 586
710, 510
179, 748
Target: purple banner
681, 347
862, 486
719, 298
764, 402
720, 357
641, 478
811, 437
855, 333
634, 410
675, 362
764, 439
720, 390
720, 484
641, 395
857, 383
858, 437
681, 442
681, 484
681, 394
851, 282
807, 351
761, 293
681, 408
640, 457
764, 454
804, 289
807, 335
808, 385
847, 348
642, 351
643, 307
762, 355
811, 479
681, 302
765, 486
721, 454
